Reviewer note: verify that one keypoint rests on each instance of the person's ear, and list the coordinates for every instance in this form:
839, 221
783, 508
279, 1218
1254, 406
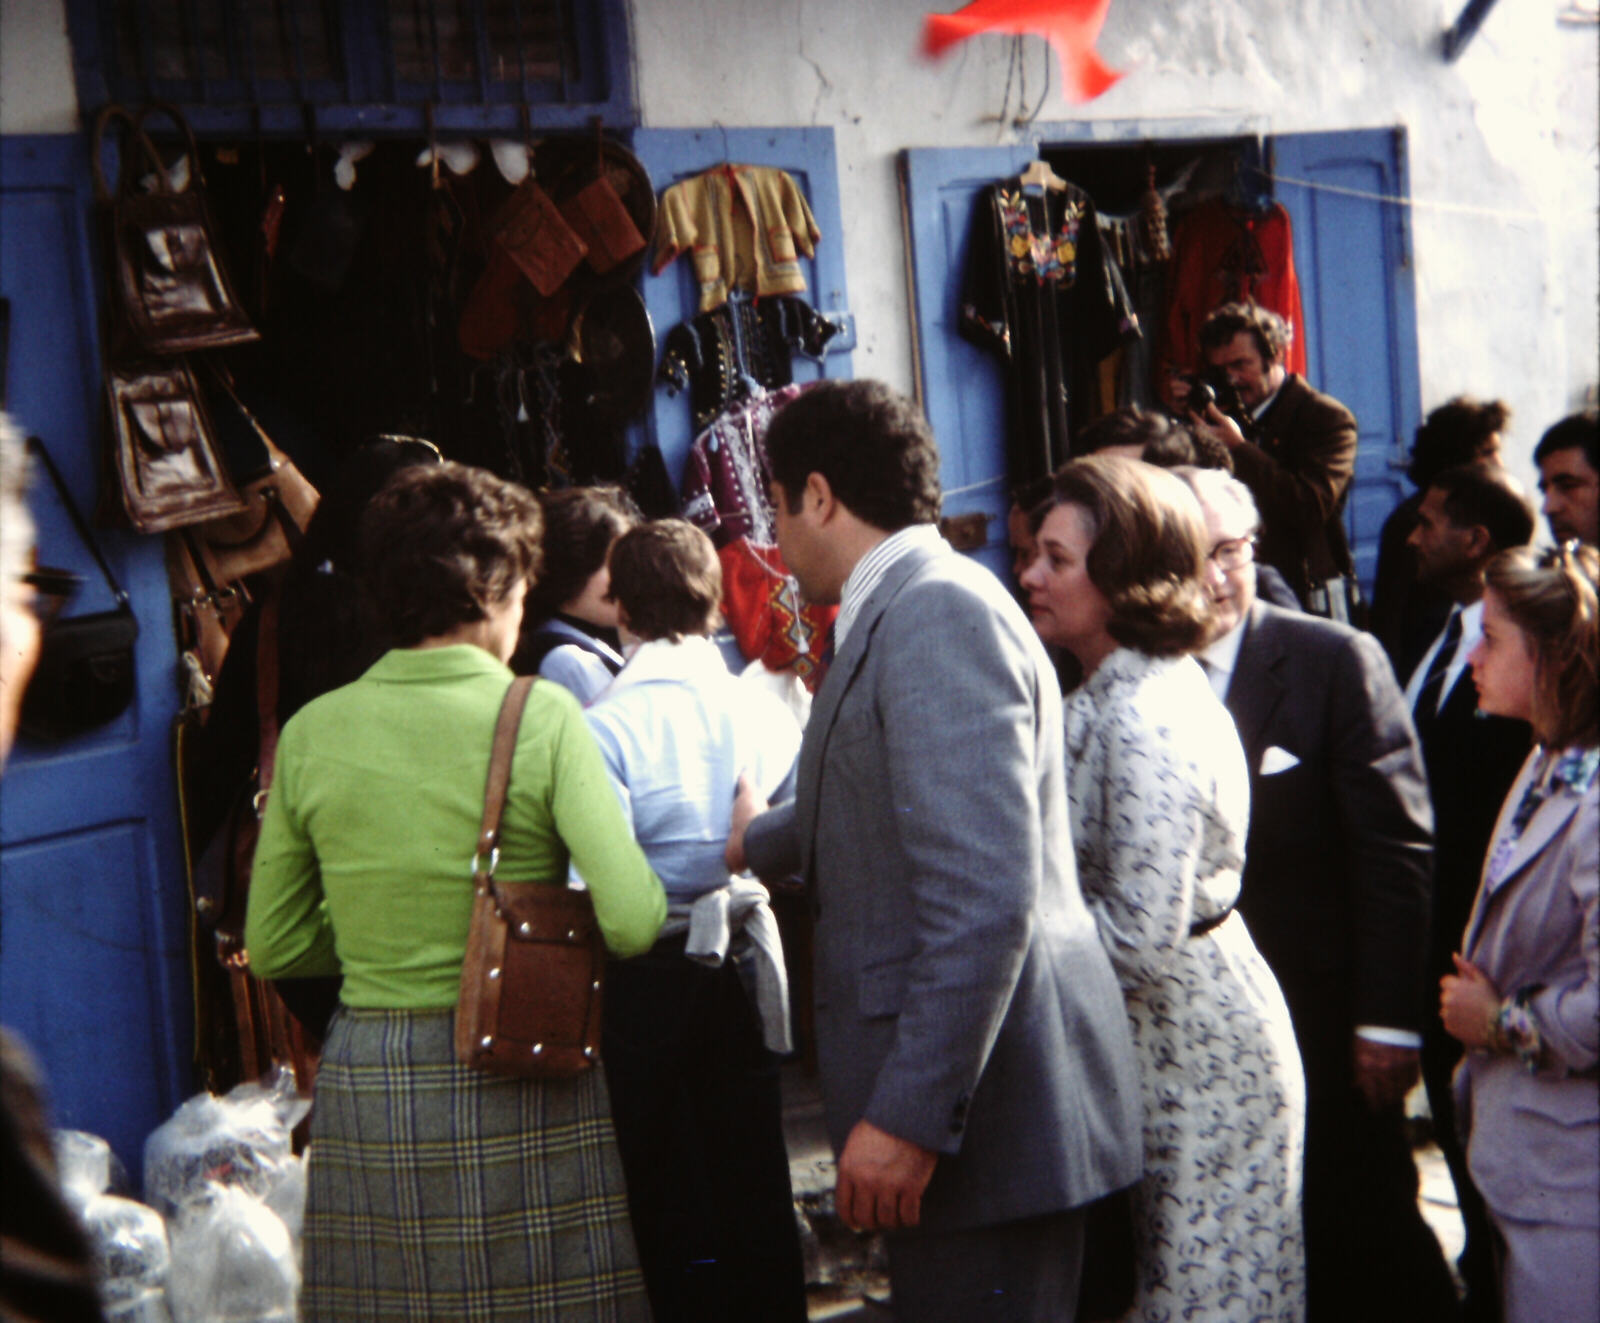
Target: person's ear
622, 615
1479, 544
818, 498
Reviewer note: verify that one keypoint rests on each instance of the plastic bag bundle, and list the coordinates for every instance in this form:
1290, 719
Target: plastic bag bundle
83, 1165
129, 1240
233, 1260
132, 1259
240, 1140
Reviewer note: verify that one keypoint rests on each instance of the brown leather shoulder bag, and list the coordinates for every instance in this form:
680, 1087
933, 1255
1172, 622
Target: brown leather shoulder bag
532, 980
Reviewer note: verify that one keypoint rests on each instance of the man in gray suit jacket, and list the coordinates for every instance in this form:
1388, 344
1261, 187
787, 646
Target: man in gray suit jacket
979, 1079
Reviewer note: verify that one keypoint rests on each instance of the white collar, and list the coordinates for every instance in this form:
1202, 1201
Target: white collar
1222, 655
868, 572
696, 660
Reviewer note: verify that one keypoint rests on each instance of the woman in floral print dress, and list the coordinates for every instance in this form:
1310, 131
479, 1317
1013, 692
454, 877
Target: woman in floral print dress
1159, 795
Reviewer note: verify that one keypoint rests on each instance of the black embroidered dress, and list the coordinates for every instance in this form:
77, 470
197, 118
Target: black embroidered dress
1041, 293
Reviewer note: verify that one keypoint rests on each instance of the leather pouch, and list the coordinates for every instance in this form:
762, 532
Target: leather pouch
531, 230
532, 982
170, 292
85, 674
598, 217
165, 448
279, 503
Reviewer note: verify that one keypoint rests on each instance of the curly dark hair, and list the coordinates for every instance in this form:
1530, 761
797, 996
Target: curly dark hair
580, 524
666, 576
872, 445
441, 544
1272, 334
1147, 552
1454, 434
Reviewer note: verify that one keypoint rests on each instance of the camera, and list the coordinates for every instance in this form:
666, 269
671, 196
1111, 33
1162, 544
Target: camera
1210, 387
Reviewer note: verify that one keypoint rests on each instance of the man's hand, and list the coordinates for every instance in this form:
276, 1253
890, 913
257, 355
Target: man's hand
1466, 1001
1384, 1072
881, 1180
1215, 423
748, 804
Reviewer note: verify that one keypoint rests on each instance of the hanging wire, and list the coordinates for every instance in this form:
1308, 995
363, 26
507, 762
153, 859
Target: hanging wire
1039, 104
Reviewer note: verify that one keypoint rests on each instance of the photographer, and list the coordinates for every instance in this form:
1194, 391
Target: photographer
1294, 447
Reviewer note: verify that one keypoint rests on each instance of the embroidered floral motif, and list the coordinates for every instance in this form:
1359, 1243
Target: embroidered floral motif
1046, 256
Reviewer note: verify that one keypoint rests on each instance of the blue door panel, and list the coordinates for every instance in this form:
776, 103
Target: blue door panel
670, 155
961, 387
84, 907
93, 907
1344, 193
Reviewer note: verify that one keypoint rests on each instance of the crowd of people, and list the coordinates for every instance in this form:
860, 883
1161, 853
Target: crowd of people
1142, 890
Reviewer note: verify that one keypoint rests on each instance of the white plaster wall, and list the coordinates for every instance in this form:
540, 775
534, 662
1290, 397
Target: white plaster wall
1502, 143
37, 93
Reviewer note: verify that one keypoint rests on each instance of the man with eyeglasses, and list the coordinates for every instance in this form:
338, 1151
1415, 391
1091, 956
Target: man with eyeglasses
1336, 890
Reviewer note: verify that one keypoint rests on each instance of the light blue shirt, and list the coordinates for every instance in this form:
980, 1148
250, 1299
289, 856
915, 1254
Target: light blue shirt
676, 728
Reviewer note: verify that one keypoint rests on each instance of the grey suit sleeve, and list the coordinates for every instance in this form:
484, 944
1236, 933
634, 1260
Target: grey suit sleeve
1381, 790
959, 709
771, 844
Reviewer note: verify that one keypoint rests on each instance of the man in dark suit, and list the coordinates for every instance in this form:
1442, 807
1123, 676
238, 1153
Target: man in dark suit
1335, 893
1467, 514
977, 1066
1295, 450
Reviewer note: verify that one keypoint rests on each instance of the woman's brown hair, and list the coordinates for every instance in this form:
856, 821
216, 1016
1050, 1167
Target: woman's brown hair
1147, 552
1551, 597
441, 544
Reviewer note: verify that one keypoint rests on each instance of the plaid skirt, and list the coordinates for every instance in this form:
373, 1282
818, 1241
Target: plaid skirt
440, 1192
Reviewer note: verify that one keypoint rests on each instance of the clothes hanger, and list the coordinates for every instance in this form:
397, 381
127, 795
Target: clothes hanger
1039, 173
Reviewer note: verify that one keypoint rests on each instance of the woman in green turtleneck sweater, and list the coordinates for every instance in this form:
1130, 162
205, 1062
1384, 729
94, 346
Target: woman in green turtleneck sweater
437, 1191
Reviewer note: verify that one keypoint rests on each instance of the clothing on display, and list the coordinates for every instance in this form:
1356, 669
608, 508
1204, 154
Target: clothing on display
726, 479
1041, 294
770, 622
746, 226
1225, 253
723, 355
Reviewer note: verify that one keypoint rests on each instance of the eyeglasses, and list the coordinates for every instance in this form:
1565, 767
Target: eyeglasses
1234, 554
55, 588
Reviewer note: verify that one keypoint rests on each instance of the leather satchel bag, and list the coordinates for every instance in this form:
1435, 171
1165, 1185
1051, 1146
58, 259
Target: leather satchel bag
279, 502
85, 674
532, 980
165, 448
170, 292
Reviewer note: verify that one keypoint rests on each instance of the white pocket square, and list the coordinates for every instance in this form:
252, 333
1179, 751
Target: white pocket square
1276, 760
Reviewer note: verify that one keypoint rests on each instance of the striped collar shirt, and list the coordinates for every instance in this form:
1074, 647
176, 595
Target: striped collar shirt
870, 569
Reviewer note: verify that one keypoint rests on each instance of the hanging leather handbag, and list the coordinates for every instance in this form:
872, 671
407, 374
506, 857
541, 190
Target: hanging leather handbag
165, 448
85, 674
531, 230
170, 292
279, 502
532, 981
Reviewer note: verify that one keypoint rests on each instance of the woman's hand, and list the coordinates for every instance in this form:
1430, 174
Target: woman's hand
1467, 1001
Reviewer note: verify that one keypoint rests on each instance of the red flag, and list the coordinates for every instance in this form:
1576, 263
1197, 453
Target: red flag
1071, 26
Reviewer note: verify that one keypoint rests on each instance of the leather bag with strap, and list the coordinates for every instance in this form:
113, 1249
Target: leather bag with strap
165, 448
170, 292
532, 981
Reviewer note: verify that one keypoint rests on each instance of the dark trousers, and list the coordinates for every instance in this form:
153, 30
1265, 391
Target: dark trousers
1016, 1272
1370, 1254
1440, 1053
698, 1113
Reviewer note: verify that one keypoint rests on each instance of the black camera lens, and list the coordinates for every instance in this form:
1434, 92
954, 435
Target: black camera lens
1201, 395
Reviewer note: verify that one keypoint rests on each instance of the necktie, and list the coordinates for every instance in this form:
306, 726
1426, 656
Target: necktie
1428, 696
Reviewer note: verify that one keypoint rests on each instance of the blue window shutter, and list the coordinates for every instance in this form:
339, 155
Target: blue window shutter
1348, 196
961, 387
670, 155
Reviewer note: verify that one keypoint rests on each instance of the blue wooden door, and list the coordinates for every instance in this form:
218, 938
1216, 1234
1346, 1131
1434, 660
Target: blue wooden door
961, 387
671, 297
1345, 193
93, 906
